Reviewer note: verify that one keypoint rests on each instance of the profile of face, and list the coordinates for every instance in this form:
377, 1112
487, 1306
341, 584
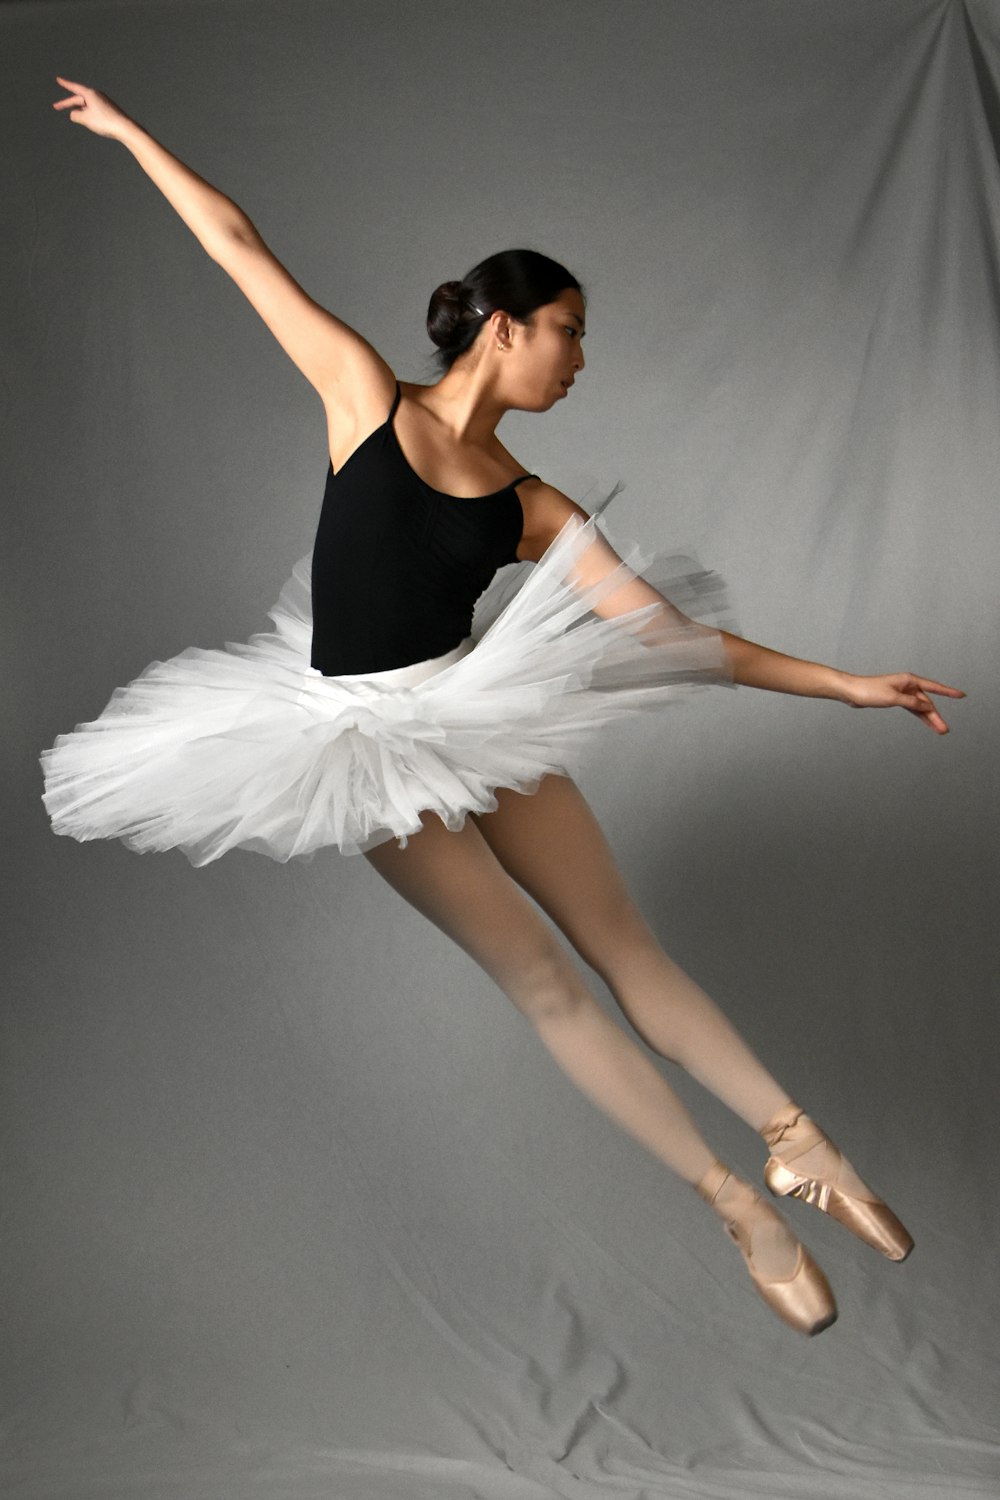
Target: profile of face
544, 355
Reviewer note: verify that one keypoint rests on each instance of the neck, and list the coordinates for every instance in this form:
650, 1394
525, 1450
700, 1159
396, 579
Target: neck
467, 404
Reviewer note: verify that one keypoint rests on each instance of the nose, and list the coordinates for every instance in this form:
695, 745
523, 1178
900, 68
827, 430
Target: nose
579, 361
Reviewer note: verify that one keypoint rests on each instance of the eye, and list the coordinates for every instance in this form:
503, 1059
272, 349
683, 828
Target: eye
571, 331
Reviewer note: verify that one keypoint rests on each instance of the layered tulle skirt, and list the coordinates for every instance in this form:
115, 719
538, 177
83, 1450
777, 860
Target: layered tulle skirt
250, 747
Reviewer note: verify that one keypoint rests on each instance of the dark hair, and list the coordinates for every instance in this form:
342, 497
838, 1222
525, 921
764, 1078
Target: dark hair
513, 281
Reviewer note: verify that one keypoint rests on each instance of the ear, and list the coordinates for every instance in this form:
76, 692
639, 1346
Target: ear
503, 327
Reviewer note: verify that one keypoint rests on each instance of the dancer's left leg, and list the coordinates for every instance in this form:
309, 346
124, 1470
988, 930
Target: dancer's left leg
552, 845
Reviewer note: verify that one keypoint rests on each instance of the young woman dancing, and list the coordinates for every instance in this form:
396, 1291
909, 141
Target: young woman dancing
371, 718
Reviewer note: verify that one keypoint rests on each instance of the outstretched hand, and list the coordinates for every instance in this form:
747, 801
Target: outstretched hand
901, 690
94, 110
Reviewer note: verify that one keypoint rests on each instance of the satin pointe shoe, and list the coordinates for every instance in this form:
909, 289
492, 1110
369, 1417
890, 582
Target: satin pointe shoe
865, 1215
803, 1300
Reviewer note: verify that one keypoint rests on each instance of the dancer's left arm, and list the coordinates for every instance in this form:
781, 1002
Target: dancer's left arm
760, 667
749, 664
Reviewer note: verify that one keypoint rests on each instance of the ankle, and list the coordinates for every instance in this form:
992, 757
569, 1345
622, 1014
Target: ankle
724, 1191
789, 1127
765, 1240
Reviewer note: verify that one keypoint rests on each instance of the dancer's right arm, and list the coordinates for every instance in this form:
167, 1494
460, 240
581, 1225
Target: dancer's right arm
331, 355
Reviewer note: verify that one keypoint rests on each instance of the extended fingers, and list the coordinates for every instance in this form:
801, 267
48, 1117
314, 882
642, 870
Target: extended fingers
910, 695
930, 716
937, 687
77, 99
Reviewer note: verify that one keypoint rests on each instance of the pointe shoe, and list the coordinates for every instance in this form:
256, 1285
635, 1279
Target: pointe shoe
803, 1300
865, 1216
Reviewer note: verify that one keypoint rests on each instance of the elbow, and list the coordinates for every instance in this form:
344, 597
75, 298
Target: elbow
231, 236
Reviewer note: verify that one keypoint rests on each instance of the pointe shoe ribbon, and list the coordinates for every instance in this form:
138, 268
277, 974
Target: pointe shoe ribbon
864, 1215
803, 1300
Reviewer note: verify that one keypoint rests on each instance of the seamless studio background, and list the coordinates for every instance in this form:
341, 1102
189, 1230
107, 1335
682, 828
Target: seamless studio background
295, 1204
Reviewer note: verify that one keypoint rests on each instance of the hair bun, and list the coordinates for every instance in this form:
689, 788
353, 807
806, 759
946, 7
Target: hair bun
518, 282
444, 312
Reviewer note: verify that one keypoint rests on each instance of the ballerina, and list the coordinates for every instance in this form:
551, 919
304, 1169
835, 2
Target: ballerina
374, 720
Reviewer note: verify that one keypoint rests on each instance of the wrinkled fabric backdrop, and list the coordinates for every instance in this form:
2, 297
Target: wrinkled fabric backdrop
295, 1203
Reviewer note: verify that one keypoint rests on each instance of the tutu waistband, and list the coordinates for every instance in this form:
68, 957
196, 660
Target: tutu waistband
408, 676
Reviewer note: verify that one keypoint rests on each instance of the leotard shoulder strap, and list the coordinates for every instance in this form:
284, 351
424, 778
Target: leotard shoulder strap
399, 392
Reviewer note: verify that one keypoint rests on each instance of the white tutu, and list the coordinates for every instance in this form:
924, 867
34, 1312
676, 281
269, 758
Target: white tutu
250, 747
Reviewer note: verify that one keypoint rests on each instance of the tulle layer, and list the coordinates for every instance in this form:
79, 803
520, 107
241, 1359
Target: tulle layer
250, 747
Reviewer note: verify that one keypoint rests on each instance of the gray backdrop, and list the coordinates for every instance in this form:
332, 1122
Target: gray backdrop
296, 1205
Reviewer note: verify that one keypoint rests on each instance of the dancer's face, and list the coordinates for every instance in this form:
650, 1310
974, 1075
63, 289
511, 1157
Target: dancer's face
545, 355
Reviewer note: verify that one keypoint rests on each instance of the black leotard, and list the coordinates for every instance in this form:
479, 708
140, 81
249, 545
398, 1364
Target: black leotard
398, 566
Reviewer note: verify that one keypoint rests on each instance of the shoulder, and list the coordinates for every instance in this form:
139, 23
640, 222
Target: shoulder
546, 511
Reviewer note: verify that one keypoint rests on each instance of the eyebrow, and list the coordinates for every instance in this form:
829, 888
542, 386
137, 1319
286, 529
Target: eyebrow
576, 318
